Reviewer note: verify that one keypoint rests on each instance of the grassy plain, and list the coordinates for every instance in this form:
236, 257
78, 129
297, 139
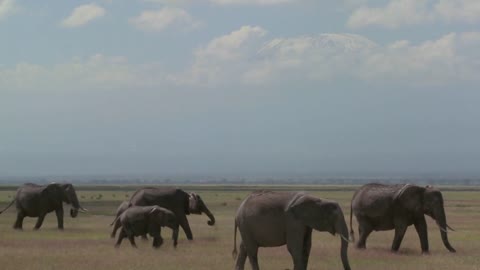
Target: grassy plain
85, 242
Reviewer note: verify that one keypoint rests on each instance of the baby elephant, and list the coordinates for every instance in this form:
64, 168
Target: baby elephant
140, 220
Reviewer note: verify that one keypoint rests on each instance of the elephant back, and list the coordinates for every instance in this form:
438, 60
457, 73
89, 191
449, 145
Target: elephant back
374, 200
167, 197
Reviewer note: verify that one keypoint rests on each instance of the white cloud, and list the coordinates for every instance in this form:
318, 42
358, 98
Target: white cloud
223, 54
225, 2
246, 56
250, 2
82, 15
159, 20
459, 10
6, 8
412, 12
396, 13
81, 74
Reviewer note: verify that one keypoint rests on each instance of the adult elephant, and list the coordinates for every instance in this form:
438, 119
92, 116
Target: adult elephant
34, 200
270, 219
181, 203
380, 207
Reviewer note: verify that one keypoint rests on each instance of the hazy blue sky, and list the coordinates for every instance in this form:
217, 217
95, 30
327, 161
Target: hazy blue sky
239, 87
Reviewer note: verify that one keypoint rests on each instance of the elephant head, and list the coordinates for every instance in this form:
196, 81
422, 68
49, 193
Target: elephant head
69, 196
165, 218
429, 201
322, 215
197, 206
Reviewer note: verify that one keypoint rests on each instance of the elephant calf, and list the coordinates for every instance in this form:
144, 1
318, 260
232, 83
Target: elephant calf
270, 219
140, 220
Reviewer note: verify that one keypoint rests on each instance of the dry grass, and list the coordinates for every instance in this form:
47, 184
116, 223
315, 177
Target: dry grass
85, 242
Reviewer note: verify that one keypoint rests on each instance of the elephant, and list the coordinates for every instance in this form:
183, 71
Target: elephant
33, 200
270, 219
380, 207
121, 208
140, 220
176, 200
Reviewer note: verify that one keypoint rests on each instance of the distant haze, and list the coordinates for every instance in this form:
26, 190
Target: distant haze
114, 89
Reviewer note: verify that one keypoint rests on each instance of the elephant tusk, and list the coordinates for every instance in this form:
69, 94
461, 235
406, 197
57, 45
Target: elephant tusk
344, 238
442, 229
83, 210
450, 228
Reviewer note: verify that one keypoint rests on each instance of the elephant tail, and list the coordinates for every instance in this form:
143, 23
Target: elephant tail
113, 222
234, 252
7, 206
352, 236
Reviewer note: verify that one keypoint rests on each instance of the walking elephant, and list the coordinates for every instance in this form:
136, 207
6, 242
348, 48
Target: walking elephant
34, 200
140, 220
176, 200
380, 207
270, 219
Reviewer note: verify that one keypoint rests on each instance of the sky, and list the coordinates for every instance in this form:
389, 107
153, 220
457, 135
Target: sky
240, 87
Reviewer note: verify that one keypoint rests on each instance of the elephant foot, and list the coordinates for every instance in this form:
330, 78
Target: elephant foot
112, 235
18, 228
35, 228
60, 229
425, 252
360, 246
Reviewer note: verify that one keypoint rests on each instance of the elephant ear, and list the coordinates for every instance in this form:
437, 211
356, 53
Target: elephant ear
410, 197
54, 193
157, 214
313, 212
194, 203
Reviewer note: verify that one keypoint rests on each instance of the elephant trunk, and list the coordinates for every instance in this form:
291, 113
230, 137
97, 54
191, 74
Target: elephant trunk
76, 207
207, 212
341, 228
442, 223
75, 204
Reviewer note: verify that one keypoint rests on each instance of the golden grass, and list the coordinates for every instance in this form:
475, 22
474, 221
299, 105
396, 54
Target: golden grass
85, 242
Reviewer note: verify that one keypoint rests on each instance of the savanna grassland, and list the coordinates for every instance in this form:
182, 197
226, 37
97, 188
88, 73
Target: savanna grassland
85, 242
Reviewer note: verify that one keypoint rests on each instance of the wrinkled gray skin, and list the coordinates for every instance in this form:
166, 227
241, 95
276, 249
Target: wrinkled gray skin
34, 200
142, 220
379, 207
270, 219
176, 200
121, 208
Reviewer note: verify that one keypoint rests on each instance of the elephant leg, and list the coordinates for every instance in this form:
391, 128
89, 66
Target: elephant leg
132, 240
252, 253
157, 241
241, 258
295, 246
120, 238
421, 227
364, 230
59, 214
399, 233
307, 245
19, 222
39, 221
183, 221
